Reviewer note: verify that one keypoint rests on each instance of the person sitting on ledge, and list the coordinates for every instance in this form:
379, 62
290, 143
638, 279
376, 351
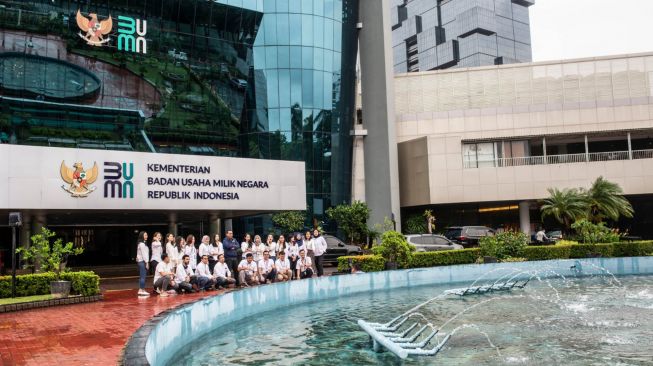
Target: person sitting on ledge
185, 278
164, 279
248, 271
266, 270
304, 265
222, 274
204, 276
283, 267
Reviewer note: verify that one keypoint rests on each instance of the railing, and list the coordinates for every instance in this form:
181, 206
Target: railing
561, 159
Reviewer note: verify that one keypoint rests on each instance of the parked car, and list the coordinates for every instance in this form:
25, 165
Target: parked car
338, 248
467, 235
431, 242
239, 84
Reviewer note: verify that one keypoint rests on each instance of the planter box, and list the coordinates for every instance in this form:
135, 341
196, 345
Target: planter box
48, 303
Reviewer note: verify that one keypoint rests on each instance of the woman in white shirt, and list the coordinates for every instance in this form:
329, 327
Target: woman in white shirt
172, 250
258, 248
216, 250
309, 246
292, 252
143, 261
272, 247
281, 245
157, 250
246, 246
191, 251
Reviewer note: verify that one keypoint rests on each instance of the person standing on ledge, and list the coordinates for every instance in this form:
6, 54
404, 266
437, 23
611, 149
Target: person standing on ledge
143, 261
231, 246
319, 248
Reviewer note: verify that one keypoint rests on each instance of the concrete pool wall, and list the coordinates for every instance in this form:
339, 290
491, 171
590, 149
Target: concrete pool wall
166, 334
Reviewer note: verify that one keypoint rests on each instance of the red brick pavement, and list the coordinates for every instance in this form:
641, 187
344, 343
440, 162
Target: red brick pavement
80, 334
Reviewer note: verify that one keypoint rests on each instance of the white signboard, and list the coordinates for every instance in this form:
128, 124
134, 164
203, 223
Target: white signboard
60, 178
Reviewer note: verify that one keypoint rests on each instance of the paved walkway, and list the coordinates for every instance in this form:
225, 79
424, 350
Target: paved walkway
81, 334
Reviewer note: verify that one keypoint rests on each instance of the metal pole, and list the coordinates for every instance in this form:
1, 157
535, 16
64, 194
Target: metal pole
13, 261
630, 148
544, 149
587, 150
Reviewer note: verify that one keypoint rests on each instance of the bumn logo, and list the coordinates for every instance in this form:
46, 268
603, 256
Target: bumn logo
127, 29
117, 180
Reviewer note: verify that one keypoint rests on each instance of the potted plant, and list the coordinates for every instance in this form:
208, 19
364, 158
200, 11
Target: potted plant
395, 249
50, 257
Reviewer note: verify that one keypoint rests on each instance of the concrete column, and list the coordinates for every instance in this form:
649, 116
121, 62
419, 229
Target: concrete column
25, 230
39, 221
525, 217
587, 150
544, 149
215, 225
172, 223
358, 165
377, 77
630, 148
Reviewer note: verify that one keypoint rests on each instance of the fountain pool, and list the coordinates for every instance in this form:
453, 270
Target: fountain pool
562, 316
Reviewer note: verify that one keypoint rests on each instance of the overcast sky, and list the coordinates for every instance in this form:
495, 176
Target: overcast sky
563, 29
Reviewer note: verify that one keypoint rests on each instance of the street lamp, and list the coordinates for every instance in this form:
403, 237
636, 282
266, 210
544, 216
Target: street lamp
15, 220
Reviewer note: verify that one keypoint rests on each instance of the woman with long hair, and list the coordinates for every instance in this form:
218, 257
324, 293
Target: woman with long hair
258, 248
292, 252
191, 251
143, 261
172, 250
309, 245
216, 250
157, 250
272, 247
281, 244
246, 245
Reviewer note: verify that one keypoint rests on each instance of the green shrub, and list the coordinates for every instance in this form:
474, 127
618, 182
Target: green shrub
546, 252
82, 283
514, 259
395, 248
590, 233
445, 258
632, 249
415, 224
504, 245
367, 263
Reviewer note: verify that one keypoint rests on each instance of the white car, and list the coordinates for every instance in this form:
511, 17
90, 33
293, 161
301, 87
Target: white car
431, 242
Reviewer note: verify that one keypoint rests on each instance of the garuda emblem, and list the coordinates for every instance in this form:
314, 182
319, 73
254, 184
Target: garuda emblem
79, 180
93, 30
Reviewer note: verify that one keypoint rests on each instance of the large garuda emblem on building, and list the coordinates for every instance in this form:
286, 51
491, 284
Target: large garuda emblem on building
79, 180
94, 30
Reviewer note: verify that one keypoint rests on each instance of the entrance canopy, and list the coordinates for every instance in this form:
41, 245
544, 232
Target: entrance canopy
44, 178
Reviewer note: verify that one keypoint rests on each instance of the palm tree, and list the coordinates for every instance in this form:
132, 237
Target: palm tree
605, 200
566, 206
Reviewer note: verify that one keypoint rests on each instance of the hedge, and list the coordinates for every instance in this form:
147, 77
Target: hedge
375, 263
368, 263
82, 283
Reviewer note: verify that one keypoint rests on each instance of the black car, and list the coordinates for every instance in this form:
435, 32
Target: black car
337, 248
467, 235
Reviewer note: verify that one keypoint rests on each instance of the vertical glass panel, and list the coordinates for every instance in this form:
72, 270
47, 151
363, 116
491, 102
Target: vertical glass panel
284, 119
259, 57
328, 60
318, 31
282, 6
273, 119
328, 34
307, 6
318, 7
318, 58
307, 30
295, 6
307, 57
328, 8
318, 90
284, 56
284, 88
271, 57
283, 36
337, 10
485, 154
296, 57
307, 121
328, 87
269, 6
307, 89
270, 28
273, 88
295, 29
296, 87
469, 156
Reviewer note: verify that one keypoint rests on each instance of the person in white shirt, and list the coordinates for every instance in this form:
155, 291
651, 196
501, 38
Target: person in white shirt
293, 254
309, 246
272, 246
283, 267
246, 246
172, 250
143, 261
216, 250
281, 245
319, 248
204, 277
164, 279
222, 274
541, 237
184, 276
157, 250
304, 265
191, 251
266, 269
248, 271
259, 248
206, 249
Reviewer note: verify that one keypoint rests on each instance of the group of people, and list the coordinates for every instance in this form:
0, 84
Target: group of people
181, 266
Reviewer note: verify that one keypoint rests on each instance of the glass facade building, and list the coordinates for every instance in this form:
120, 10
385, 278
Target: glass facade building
441, 34
268, 79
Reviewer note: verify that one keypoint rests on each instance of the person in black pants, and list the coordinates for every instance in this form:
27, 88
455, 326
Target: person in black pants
231, 248
319, 248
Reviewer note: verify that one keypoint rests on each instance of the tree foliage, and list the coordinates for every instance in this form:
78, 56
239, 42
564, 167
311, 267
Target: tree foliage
50, 256
590, 233
605, 200
566, 206
504, 245
395, 248
289, 221
415, 224
351, 219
